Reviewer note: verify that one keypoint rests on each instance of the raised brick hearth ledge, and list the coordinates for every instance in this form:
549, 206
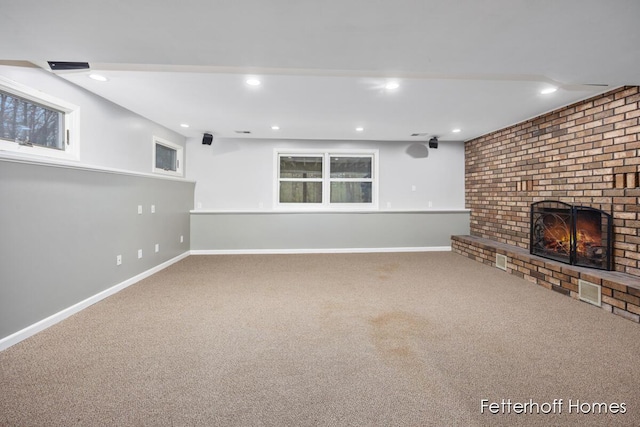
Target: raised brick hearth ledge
620, 291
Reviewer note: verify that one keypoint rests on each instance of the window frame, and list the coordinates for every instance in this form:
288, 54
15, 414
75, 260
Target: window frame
71, 123
326, 204
320, 180
179, 157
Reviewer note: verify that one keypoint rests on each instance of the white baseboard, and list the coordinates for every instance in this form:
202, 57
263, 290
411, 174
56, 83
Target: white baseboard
61, 315
317, 251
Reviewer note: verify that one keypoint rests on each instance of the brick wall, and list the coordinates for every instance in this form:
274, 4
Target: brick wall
583, 154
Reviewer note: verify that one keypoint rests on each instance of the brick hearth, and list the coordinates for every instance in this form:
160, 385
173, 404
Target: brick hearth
620, 291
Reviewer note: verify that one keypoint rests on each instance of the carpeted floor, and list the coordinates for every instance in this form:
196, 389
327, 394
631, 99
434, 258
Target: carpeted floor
399, 339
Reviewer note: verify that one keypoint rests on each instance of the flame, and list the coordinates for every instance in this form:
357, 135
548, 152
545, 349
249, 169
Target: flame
588, 235
558, 238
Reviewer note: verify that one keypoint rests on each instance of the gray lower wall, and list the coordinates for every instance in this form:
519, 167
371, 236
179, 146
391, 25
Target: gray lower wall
62, 228
352, 230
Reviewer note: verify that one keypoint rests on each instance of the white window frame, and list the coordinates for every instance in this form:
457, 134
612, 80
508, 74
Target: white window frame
326, 180
71, 130
179, 157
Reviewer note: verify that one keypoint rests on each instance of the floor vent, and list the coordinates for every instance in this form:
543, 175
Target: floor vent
501, 262
590, 292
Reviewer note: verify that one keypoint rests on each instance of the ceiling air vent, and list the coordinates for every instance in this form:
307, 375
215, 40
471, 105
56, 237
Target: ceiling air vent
243, 132
419, 134
590, 292
64, 66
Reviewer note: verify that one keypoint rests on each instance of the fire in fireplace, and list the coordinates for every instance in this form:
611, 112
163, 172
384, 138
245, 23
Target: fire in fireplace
577, 235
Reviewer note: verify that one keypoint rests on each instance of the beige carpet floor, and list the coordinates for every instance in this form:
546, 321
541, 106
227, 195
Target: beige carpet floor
399, 339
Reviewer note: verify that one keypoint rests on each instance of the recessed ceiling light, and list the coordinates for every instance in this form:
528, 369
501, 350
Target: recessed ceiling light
359, 129
456, 130
275, 127
392, 85
98, 77
253, 82
548, 90
184, 125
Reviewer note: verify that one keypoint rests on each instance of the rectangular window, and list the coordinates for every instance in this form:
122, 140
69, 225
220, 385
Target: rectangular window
35, 123
27, 122
301, 179
167, 157
326, 180
351, 179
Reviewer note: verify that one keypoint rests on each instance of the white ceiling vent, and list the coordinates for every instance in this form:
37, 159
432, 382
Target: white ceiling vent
501, 262
590, 292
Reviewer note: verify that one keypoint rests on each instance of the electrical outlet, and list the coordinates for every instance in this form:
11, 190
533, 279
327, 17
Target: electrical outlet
181, 239
119, 260
139, 253
139, 209
413, 188
157, 247
430, 204
153, 208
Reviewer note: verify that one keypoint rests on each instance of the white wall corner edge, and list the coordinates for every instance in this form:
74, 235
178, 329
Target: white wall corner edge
43, 324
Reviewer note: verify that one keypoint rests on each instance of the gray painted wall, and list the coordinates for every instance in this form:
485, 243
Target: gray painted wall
290, 231
62, 229
238, 174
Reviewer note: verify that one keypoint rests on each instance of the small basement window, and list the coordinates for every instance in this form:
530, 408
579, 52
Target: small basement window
37, 124
330, 180
167, 157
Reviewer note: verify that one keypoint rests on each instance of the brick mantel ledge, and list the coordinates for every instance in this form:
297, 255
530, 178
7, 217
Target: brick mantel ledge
620, 291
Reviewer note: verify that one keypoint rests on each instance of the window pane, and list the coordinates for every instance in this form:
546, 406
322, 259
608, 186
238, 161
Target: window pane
351, 192
23, 120
300, 167
166, 158
350, 167
300, 192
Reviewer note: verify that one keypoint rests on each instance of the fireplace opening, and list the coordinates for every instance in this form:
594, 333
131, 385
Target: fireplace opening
577, 235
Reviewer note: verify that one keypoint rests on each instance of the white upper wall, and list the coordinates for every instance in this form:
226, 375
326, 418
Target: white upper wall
238, 174
110, 136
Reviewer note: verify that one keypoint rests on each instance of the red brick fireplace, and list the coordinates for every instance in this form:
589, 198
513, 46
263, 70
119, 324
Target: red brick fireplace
586, 154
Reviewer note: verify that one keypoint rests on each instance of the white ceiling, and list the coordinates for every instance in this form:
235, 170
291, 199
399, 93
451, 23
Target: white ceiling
474, 65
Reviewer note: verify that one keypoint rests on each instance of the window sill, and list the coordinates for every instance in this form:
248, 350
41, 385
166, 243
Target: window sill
6, 156
325, 211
